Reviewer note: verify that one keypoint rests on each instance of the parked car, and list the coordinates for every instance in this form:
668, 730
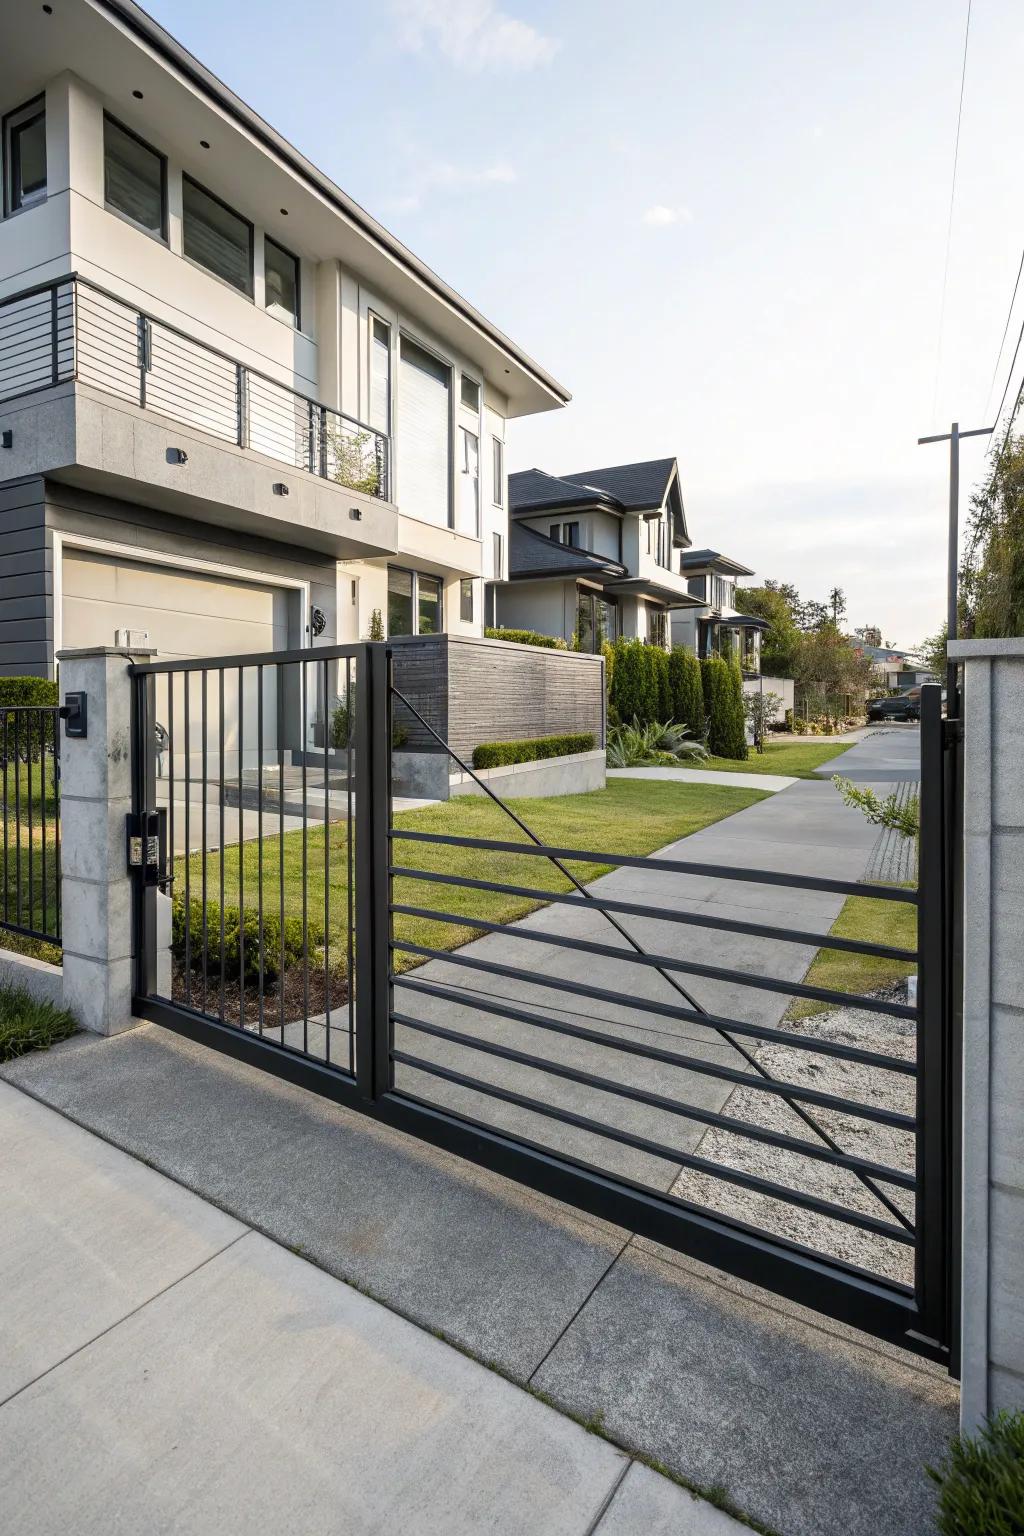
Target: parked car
902, 707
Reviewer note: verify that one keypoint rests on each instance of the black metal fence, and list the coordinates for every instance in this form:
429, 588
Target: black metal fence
30, 747
74, 329
512, 1000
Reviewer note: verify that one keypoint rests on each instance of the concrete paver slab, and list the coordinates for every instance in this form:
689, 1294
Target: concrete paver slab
367, 1203
259, 1394
88, 1235
647, 1503
803, 1431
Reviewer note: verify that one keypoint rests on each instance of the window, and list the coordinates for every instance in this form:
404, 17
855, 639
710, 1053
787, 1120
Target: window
469, 483
596, 621
414, 603
470, 393
565, 533
466, 600
423, 434
134, 179
380, 374
497, 557
215, 237
25, 156
280, 282
657, 627
498, 472
428, 605
697, 587
400, 610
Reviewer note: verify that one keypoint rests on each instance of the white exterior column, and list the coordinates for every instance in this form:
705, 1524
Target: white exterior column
96, 889
992, 1340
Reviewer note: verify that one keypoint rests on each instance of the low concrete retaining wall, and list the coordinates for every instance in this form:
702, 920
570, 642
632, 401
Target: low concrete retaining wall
431, 776
992, 1339
37, 978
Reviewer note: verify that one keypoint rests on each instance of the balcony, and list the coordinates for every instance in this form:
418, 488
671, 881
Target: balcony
72, 331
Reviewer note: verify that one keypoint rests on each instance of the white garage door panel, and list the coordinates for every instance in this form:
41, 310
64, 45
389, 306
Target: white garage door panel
185, 613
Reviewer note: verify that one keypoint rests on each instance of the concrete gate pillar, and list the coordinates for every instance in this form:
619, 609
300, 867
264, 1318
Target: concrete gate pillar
992, 1364
96, 797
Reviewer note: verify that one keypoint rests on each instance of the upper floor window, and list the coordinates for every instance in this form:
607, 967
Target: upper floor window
424, 441
134, 178
281, 281
566, 533
469, 483
380, 374
25, 156
216, 237
697, 587
470, 393
498, 474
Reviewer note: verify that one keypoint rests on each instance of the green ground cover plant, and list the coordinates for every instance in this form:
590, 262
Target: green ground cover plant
28, 1024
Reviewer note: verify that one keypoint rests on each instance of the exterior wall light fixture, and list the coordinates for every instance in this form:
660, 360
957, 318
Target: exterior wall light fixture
280, 489
177, 456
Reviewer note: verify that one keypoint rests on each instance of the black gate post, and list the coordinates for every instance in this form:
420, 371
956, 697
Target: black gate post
934, 1095
143, 716
373, 883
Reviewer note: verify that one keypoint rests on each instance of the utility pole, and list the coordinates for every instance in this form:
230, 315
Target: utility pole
953, 437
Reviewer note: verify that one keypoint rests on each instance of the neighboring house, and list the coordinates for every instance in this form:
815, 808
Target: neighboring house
892, 668
595, 554
715, 625
235, 413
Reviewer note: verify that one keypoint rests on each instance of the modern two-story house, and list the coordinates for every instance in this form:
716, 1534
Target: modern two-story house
595, 554
716, 626
236, 414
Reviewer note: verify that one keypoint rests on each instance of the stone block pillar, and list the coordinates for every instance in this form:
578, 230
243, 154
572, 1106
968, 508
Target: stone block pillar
992, 1370
96, 891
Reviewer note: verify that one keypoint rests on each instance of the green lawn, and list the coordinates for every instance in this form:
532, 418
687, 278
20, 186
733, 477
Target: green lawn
632, 816
798, 757
878, 922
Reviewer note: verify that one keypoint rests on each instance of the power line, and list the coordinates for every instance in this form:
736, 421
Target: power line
1009, 379
949, 227
1002, 344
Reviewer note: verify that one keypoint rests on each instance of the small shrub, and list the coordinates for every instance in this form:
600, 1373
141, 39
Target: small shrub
981, 1481
233, 934
653, 745
376, 630
28, 1024
899, 816
498, 754
528, 637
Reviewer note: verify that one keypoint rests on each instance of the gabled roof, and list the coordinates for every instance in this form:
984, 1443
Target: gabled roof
533, 554
636, 487
533, 490
711, 560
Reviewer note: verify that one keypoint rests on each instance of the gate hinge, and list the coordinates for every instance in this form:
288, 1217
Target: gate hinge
146, 835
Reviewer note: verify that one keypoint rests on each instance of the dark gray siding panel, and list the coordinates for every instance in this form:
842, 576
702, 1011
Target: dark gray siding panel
474, 690
26, 581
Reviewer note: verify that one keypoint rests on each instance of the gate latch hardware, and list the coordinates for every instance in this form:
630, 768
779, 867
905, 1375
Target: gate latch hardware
74, 714
147, 846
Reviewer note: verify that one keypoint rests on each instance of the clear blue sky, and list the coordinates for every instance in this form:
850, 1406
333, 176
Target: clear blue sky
722, 226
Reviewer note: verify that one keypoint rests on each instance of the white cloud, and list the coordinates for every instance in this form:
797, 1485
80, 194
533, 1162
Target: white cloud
472, 34
442, 175
661, 215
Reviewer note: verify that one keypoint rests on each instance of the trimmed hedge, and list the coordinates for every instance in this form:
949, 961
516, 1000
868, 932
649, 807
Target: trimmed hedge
32, 730
723, 707
499, 754
232, 942
527, 637
687, 691
639, 683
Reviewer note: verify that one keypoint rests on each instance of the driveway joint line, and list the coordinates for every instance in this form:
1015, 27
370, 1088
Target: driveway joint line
596, 1285
608, 1500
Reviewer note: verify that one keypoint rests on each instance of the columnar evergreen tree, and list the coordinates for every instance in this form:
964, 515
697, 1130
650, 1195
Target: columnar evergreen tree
723, 707
687, 690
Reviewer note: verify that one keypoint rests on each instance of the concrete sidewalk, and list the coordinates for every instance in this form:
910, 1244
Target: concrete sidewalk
772, 782
165, 1368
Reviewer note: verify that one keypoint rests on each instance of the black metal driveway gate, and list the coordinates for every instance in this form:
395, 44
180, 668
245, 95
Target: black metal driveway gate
388, 966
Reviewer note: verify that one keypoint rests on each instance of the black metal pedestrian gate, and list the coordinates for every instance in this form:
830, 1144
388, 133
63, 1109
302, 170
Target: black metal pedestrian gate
627, 1034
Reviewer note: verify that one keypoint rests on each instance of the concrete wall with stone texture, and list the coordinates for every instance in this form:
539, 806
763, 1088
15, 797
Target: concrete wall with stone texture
993, 1099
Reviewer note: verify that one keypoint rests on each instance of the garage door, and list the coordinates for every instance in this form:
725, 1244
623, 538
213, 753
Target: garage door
185, 613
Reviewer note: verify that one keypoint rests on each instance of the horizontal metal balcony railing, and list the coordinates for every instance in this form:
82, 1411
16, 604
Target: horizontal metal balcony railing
71, 329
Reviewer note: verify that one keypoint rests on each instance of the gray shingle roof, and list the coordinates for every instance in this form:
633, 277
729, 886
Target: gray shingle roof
634, 486
533, 554
533, 490
699, 559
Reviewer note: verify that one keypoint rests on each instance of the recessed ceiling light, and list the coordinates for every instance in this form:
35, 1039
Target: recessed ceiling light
204, 143
137, 95
285, 212
48, 10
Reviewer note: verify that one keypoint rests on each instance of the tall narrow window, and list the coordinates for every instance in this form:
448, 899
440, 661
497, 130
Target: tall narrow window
25, 156
400, 610
423, 435
428, 605
497, 557
281, 282
571, 534
498, 472
469, 483
134, 179
466, 600
216, 237
380, 374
